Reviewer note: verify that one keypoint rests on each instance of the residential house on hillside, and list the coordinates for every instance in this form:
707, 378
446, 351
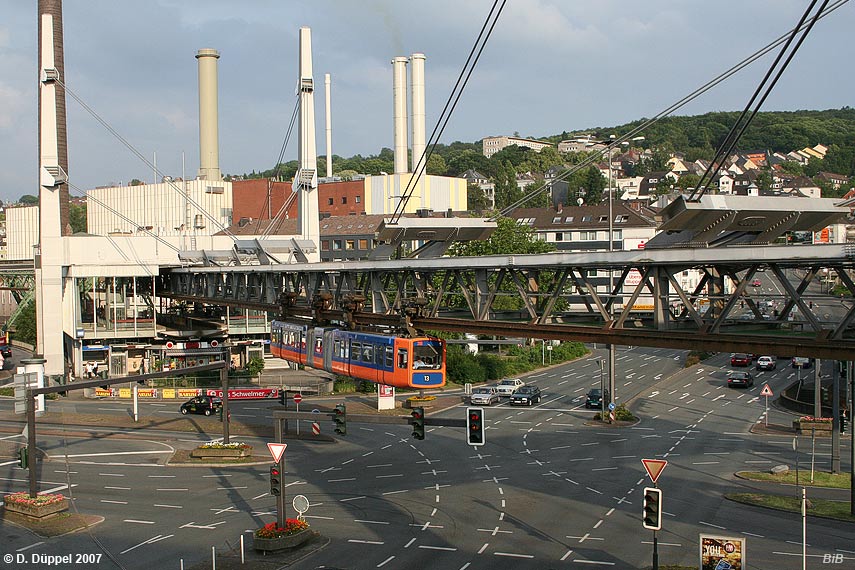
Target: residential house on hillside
492, 145
801, 186
472, 176
836, 180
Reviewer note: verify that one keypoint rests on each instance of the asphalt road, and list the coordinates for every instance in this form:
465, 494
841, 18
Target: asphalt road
548, 490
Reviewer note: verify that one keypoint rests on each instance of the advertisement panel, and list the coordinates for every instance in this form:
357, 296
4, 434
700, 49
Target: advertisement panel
722, 552
187, 392
168, 393
246, 393
103, 392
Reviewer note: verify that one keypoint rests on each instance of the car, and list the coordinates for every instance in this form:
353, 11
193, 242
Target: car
739, 379
740, 359
526, 396
801, 362
594, 398
206, 405
485, 396
6, 351
507, 387
755, 283
766, 363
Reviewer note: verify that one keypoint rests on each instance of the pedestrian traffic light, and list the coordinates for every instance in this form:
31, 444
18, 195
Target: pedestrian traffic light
275, 481
281, 397
23, 458
652, 508
340, 419
843, 422
418, 422
475, 426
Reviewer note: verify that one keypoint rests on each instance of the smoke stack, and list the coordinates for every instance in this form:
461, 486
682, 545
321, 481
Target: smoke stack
399, 103
209, 154
329, 127
417, 106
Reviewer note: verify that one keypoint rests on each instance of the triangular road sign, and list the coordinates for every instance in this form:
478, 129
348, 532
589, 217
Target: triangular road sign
654, 467
766, 391
276, 450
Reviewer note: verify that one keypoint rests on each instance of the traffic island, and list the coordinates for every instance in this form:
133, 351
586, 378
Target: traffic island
263, 560
837, 510
50, 526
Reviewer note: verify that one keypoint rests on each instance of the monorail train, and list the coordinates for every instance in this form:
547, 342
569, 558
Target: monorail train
396, 361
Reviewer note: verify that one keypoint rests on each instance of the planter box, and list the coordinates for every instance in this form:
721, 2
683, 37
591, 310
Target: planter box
209, 453
282, 542
38, 511
808, 426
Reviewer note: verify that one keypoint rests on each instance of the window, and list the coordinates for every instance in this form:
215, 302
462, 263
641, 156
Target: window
330, 202
586, 218
337, 244
621, 218
363, 244
367, 353
402, 358
556, 220
389, 357
344, 199
587, 236
350, 244
604, 218
569, 219
358, 199
559, 236
325, 245
617, 234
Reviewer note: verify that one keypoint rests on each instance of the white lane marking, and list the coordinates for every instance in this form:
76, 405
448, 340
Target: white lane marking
151, 540
137, 522
366, 541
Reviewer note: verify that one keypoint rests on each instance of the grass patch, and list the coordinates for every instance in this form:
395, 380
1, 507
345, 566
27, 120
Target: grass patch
820, 478
838, 510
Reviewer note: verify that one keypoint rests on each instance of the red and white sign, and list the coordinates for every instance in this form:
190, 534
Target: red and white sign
654, 467
276, 450
298, 398
246, 393
766, 391
316, 428
386, 391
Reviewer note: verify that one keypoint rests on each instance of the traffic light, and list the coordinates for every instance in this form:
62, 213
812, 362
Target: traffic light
652, 508
418, 415
843, 422
275, 481
23, 458
281, 397
475, 426
340, 419
220, 413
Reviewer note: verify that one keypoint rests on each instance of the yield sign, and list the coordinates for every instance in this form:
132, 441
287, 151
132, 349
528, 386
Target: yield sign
766, 391
654, 467
276, 450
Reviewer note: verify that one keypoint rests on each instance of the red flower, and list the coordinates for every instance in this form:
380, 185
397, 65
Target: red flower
292, 526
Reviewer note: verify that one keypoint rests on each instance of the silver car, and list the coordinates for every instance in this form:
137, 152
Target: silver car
485, 396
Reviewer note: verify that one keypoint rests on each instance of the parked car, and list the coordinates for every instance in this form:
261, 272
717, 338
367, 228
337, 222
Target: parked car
509, 386
755, 283
526, 396
801, 362
206, 405
739, 379
594, 398
740, 359
6, 351
484, 396
766, 363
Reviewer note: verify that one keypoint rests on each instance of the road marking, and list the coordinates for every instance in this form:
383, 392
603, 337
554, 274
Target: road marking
563, 558
114, 502
119, 488
111, 474
661, 543
396, 492
712, 525
483, 548
341, 480
42, 542
386, 561
366, 541
446, 548
137, 522
595, 562
169, 506
151, 540
185, 489
513, 555
369, 522
705, 462
594, 490
599, 522
604, 469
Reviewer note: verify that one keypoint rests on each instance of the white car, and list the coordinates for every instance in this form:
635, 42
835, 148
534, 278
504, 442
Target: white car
508, 387
485, 396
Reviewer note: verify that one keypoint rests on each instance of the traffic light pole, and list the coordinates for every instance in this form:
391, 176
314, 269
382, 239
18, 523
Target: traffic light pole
224, 378
655, 551
31, 442
280, 500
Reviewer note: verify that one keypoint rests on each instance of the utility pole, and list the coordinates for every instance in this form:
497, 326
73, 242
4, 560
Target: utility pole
851, 374
835, 417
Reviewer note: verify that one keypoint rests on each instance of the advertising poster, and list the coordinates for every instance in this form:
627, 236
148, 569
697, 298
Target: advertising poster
722, 553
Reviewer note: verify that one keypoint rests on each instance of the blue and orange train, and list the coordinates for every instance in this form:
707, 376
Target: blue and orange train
417, 362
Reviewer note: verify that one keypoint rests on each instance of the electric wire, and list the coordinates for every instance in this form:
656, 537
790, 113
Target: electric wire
279, 160
594, 157
450, 104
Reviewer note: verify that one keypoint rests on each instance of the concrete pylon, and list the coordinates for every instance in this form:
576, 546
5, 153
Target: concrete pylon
306, 179
399, 112
329, 125
209, 137
417, 106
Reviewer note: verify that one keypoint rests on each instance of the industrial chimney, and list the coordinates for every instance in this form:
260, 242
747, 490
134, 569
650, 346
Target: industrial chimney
209, 153
417, 106
329, 127
399, 104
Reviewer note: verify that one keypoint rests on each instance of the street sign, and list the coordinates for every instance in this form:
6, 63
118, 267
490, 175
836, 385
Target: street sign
300, 504
276, 450
766, 391
298, 398
722, 552
316, 428
611, 405
653, 467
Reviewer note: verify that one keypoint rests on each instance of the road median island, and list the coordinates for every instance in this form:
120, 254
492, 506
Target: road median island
231, 560
820, 478
53, 526
823, 508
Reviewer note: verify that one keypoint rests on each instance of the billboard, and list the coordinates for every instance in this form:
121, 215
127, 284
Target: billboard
722, 553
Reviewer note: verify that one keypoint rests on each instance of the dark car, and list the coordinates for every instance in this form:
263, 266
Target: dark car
594, 398
206, 405
739, 379
740, 359
801, 362
526, 396
6, 351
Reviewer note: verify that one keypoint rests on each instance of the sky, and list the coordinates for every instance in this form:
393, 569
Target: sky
549, 66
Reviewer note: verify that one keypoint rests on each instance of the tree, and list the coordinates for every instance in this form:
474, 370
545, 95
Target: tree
77, 217
29, 200
436, 165
594, 183
136, 182
476, 199
688, 181
509, 237
506, 190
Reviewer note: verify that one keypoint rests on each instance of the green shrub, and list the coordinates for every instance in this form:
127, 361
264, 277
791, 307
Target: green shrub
623, 414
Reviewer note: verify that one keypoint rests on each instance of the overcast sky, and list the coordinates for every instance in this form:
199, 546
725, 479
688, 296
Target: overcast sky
550, 66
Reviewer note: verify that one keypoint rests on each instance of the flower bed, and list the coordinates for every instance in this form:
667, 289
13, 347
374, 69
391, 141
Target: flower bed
220, 449
270, 537
37, 507
808, 423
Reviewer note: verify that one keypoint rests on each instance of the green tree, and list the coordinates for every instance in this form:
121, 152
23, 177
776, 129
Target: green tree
77, 217
792, 167
506, 191
436, 165
688, 181
509, 237
29, 200
476, 199
594, 183
136, 182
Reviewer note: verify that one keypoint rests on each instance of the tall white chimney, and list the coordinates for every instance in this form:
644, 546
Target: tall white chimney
399, 104
417, 106
329, 127
306, 179
209, 153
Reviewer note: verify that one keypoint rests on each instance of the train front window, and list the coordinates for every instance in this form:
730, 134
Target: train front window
426, 356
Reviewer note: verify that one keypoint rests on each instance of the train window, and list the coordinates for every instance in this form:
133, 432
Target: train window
356, 350
402, 358
426, 356
319, 345
389, 356
367, 353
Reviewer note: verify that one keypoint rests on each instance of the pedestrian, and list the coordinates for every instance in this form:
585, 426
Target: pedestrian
95, 370
88, 370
